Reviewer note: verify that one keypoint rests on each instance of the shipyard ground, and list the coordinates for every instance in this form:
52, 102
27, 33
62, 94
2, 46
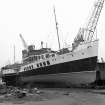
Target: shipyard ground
58, 96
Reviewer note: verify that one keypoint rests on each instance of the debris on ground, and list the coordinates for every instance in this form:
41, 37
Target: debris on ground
22, 95
17, 92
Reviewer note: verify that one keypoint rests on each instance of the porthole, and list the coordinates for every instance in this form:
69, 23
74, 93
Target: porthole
44, 63
29, 67
24, 69
37, 65
48, 63
40, 64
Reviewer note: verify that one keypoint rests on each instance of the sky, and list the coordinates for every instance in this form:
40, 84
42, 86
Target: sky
34, 19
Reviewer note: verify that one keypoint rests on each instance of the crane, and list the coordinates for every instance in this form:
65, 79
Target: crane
24, 43
91, 27
86, 33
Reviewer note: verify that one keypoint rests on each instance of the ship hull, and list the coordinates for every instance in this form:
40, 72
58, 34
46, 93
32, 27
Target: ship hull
69, 78
76, 67
81, 71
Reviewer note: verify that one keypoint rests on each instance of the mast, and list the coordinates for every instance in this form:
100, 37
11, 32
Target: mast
57, 28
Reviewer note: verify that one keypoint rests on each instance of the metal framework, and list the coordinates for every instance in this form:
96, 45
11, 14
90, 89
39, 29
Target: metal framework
91, 27
88, 32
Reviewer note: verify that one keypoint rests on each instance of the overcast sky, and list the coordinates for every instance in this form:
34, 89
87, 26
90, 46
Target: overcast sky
34, 19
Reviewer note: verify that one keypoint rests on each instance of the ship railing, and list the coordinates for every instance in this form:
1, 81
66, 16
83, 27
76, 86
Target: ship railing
33, 58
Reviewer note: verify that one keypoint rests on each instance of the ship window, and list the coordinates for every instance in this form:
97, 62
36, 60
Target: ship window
25, 69
40, 64
37, 65
35, 57
38, 57
48, 62
53, 55
42, 56
44, 63
29, 67
47, 55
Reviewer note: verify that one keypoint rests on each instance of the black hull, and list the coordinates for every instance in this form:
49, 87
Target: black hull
87, 64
